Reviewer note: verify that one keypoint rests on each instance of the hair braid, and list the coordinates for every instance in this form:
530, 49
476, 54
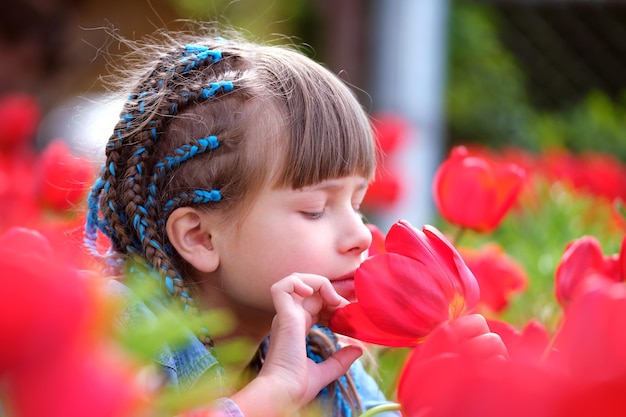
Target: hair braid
343, 392
126, 192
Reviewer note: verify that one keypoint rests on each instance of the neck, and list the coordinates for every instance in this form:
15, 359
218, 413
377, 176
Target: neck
238, 335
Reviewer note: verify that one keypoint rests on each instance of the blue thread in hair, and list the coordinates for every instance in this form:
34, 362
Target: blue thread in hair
340, 402
112, 168
185, 94
195, 54
182, 154
198, 197
185, 153
215, 87
169, 284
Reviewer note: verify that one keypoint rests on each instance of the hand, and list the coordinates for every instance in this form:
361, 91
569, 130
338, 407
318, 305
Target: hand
288, 379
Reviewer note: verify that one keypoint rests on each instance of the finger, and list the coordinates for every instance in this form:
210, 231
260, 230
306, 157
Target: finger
288, 292
338, 364
323, 286
292, 284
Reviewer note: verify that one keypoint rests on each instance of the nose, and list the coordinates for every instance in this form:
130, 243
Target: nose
356, 236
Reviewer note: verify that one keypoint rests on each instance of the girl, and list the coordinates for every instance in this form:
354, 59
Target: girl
236, 172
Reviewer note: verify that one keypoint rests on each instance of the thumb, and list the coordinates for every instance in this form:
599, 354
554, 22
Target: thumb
339, 363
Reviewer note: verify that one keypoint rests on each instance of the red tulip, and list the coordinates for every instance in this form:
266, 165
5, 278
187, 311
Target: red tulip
590, 348
384, 191
584, 266
92, 381
450, 375
64, 177
41, 299
476, 192
528, 345
55, 360
403, 294
391, 131
499, 276
19, 119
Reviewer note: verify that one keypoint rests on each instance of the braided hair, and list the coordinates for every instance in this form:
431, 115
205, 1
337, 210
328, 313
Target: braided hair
188, 136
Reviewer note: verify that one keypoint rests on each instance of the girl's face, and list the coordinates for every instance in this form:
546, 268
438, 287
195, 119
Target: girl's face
317, 229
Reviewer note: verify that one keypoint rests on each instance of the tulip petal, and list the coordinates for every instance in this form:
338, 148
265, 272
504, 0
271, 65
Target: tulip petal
354, 322
400, 295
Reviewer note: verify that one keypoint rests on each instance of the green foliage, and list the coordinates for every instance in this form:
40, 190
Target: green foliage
148, 335
488, 103
598, 123
386, 368
486, 100
259, 18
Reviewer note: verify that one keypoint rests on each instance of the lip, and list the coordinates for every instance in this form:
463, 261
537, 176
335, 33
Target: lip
344, 285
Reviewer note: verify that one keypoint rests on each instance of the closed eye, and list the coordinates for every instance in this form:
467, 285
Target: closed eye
312, 215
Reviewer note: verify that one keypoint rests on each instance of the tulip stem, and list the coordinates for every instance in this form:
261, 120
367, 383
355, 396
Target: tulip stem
381, 409
457, 236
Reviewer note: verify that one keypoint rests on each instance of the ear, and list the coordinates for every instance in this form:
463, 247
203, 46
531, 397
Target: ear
189, 232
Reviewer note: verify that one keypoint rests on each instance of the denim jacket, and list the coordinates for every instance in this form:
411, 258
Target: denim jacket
184, 366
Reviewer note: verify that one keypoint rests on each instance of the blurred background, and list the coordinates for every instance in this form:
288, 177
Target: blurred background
536, 74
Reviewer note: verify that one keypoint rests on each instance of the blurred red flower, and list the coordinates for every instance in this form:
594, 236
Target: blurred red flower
385, 189
584, 266
55, 359
391, 131
404, 293
528, 345
599, 174
19, 120
476, 192
378, 240
64, 178
44, 301
499, 276
590, 348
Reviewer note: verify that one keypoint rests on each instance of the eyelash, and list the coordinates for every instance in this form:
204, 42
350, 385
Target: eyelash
313, 215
